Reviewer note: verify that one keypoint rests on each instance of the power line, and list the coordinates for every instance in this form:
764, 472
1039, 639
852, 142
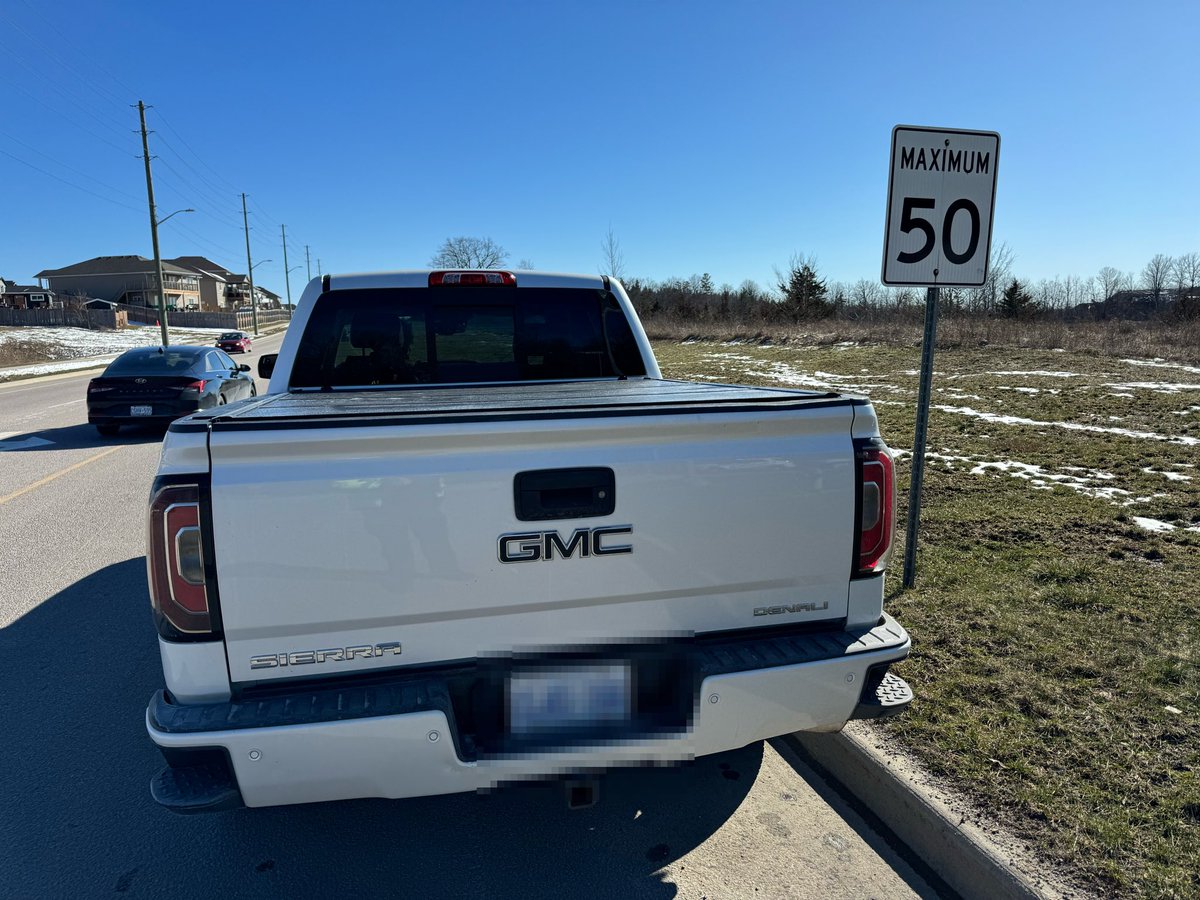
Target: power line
49, 158
124, 151
198, 157
89, 54
70, 183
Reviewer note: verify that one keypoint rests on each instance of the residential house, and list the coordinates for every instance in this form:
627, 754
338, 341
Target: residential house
223, 289
26, 296
126, 279
214, 280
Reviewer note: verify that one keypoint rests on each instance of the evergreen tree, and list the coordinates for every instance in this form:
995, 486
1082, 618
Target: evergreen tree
804, 294
1016, 302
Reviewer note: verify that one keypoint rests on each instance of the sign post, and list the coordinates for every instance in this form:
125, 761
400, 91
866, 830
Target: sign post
938, 233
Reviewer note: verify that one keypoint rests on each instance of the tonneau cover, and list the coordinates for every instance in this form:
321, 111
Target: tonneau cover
552, 399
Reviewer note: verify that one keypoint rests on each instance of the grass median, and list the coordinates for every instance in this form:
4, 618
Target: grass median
1055, 619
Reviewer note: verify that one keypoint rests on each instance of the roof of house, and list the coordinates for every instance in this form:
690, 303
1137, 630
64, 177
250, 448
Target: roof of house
271, 294
203, 265
112, 265
25, 289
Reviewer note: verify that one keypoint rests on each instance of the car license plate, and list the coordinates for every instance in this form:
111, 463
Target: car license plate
547, 700
141, 410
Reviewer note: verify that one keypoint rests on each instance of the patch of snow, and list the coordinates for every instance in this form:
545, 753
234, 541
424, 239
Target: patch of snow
1170, 476
1185, 440
1127, 396
1155, 526
71, 365
1159, 363
1031, 390
1159, 387
1031, 373
1187, 412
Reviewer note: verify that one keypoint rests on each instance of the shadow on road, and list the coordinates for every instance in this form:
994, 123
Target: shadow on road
75, 437
75, 675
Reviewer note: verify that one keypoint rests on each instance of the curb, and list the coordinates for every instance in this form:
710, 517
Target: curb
956, 849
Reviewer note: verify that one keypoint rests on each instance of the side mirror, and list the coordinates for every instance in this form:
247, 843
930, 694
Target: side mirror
244, 367
266, 364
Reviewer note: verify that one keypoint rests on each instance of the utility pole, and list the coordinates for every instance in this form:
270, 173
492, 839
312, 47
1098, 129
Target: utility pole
249, 266
162, 300
307, 263
319, 267
287, 281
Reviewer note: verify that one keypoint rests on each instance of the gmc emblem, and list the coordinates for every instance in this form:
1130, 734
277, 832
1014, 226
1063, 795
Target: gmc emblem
528, 546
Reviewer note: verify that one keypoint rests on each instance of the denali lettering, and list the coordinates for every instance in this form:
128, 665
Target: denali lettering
335, 654
791, 608
527, 546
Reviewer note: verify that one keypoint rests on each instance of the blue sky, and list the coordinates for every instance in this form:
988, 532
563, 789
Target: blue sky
713, 137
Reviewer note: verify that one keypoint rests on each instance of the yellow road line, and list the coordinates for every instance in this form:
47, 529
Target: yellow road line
49, 478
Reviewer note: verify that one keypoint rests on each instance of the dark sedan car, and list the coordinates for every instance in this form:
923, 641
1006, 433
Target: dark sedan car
234, 342
155, 385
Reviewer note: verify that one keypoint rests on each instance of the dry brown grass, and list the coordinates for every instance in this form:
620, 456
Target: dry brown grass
1178, 341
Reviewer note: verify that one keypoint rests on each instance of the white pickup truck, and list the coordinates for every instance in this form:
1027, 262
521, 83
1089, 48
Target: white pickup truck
472, 536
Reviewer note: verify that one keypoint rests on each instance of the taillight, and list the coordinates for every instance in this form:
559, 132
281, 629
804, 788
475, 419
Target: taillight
94, 388
175, 560
473, 279
196, 386
877, 506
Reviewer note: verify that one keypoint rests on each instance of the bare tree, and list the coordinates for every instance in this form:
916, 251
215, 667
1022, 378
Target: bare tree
984, 299
469, 253
1186, 274
1109, 280
866, 292
526, 264
612, 260
1155, 275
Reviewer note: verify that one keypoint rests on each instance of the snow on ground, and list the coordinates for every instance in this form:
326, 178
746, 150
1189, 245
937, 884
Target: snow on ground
1170, 476
1031, 390
1160, 363
71, 349
1185, 440
789, 375
1159, 387
1188, 411
1155, 526
1089, 482
1033, 373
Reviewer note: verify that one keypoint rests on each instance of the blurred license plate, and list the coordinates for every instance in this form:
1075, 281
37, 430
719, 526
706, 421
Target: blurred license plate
141, 410
558, 699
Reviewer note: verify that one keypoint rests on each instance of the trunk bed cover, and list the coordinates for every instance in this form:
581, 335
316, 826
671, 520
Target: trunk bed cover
501, 402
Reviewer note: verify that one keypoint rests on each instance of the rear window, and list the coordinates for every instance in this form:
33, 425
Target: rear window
152, 362
458, 335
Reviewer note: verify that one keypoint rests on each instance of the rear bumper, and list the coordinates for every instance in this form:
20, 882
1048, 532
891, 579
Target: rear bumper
164, 412
401, 740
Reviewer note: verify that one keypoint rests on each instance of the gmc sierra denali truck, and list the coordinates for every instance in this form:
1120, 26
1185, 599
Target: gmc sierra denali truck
471, 536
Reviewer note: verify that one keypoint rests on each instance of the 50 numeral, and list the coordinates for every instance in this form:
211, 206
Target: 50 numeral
910, 222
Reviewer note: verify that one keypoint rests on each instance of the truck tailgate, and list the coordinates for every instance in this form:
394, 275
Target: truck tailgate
367, 522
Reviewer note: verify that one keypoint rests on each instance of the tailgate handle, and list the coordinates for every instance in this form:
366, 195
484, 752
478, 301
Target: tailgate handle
564, 494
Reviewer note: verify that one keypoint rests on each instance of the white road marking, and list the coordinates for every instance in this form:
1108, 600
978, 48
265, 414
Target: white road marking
28, 444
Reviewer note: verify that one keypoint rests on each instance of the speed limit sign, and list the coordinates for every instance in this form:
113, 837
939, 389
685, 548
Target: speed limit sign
941, 194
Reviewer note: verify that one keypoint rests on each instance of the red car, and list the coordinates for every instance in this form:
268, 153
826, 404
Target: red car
234, 342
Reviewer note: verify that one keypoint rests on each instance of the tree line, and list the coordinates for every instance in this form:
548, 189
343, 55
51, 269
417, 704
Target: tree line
797, 292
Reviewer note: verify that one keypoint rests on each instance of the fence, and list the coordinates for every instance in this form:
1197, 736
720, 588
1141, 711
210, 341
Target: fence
148, 315
79, 318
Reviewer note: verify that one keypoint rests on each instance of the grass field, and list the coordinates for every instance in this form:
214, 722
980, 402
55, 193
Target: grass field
1056, 618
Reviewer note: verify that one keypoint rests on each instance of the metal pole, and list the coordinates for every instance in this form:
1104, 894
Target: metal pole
287, 279
249, 267
318, 267
162, 299
918, 458
307, 263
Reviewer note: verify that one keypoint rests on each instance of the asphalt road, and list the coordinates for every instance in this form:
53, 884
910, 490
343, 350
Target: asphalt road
78, 661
